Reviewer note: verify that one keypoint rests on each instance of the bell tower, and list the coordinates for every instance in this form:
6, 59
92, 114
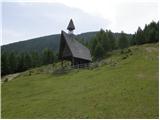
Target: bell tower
70, 27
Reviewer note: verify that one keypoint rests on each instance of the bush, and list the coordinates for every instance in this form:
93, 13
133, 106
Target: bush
94, 65
129, 50
125, 51
6, 80
125, 57
122, 52
29, 73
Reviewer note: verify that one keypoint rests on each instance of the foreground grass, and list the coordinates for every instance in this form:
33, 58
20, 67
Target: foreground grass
127, 90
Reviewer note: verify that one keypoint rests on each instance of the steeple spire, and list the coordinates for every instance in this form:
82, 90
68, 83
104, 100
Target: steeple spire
71, 26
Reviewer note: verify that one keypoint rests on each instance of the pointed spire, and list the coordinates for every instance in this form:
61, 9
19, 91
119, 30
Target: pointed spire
71, 26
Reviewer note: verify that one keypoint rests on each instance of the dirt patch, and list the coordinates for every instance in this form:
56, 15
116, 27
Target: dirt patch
151, 49
10, 77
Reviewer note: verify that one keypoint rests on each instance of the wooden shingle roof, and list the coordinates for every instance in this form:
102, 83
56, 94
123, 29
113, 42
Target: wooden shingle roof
77, 49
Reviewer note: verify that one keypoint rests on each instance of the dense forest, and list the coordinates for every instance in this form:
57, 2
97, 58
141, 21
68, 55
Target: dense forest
12, 62
106, 41
24, 55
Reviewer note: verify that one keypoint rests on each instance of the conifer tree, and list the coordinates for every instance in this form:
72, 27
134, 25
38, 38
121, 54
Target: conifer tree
123, 41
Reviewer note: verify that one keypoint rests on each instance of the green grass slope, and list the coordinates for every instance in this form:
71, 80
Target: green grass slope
126, 89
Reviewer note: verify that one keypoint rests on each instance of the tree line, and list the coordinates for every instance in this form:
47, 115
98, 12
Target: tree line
150, 34
106, 41
12, 62
100, 45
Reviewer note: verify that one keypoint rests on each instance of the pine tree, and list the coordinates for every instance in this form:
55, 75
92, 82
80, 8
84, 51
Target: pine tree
151, 32
20, 65
111, 40
27, 61
4, 64
93, 44
36, 61
133, 40
139, 37
48, 56
12, 59
123, 41
99, 51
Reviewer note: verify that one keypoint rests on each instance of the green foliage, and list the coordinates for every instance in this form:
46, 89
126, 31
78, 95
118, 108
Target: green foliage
35, 59
104, 40
48, 56
132, 40
112, 40
6, 80
102, 43
81, 40
139, 37
4, 64
150, 34
99, 51
123, 41
20, 65
12, 62
27, 61
93, 44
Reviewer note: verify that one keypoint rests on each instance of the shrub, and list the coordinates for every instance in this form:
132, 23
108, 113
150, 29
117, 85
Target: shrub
6, 80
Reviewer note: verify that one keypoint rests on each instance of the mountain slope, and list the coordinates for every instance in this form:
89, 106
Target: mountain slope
125, 85
38, 44
50, 41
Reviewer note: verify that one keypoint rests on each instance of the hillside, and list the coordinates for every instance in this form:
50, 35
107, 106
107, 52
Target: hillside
38, 44
124, 85
50, 41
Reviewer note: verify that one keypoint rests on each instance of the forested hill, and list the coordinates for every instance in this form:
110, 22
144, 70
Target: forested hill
38, 44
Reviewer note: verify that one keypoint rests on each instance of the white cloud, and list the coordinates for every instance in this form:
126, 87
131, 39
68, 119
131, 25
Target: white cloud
130, 15
23, 21
88, 15
124, 15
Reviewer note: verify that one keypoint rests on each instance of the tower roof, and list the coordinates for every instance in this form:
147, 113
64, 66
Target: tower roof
71, 25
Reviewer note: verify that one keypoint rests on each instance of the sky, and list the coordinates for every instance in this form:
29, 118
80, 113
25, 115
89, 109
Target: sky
25, 19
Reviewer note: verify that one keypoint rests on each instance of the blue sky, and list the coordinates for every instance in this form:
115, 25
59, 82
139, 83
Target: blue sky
25, 20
